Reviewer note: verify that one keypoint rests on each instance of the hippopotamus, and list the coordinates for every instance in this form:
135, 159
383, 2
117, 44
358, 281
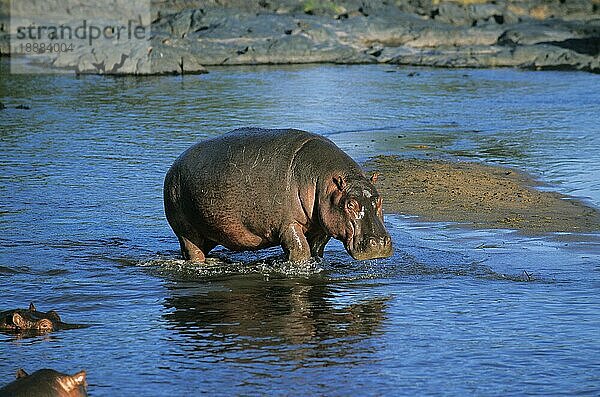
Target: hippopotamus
46, 383
24, 320
255, 188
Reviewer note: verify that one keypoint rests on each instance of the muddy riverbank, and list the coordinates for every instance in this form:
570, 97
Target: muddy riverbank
479, 195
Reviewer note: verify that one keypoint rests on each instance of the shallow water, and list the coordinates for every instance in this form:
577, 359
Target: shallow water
454, 311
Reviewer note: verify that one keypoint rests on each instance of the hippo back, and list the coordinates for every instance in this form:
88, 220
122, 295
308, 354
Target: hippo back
243, 156
246, 173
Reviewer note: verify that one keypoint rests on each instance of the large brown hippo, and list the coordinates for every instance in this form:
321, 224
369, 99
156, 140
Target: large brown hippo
46, 383
31, 320
255, 188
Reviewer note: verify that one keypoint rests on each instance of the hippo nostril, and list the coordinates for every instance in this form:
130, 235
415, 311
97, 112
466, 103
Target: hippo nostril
386, 240
372, 242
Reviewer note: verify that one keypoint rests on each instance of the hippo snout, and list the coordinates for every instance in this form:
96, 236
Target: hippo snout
381, 241
372, 248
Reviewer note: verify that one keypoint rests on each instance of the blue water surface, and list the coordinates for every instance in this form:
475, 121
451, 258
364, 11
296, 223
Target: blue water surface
454, 311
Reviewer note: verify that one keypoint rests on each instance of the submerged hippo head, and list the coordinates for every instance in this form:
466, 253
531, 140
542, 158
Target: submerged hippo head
31, 320
46, 382
355, 217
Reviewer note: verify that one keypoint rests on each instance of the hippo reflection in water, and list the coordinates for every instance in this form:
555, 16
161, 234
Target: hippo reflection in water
257, 188
296, 318
31, 320
46, 383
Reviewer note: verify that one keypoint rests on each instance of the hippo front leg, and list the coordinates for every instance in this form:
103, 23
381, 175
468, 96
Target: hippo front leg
317, 244
294, 243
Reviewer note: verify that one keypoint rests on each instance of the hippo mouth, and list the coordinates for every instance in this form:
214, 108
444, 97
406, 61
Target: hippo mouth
380, 250
367, 247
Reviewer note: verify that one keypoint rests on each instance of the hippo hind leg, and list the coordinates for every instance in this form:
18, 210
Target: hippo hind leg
190, 251
195, 251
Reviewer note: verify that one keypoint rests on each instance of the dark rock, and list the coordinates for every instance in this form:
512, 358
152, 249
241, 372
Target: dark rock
588, 45
536, 32
190, 34
375, 51
22, 107
142, 58
499, 19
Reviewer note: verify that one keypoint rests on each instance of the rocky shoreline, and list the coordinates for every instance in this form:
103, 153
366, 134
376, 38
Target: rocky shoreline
190, 35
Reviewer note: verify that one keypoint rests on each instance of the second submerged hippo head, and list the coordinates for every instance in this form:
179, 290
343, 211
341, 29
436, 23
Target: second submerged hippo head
353, 214
46, 382
32, 320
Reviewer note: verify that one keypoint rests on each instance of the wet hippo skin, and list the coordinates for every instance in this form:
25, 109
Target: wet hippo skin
255, 188
46, 383
32, 320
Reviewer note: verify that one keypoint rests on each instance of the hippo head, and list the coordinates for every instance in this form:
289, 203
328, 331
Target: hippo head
53, 381
353, 214
25, 322
31, 319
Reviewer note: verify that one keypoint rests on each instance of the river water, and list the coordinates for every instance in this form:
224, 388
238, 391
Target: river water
452, 312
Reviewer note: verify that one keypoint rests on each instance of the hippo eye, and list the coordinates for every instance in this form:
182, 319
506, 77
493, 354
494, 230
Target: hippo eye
44, 325
353, 205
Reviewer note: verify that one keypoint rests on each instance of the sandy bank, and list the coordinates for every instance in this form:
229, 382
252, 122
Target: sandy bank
480, 195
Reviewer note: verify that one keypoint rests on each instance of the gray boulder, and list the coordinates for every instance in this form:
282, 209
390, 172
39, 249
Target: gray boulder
188, 35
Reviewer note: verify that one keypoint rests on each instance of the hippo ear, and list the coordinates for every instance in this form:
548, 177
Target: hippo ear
21, 373
19, 321
79, 378
53, 315
32, 307
374, 177
72, 382
339, 182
